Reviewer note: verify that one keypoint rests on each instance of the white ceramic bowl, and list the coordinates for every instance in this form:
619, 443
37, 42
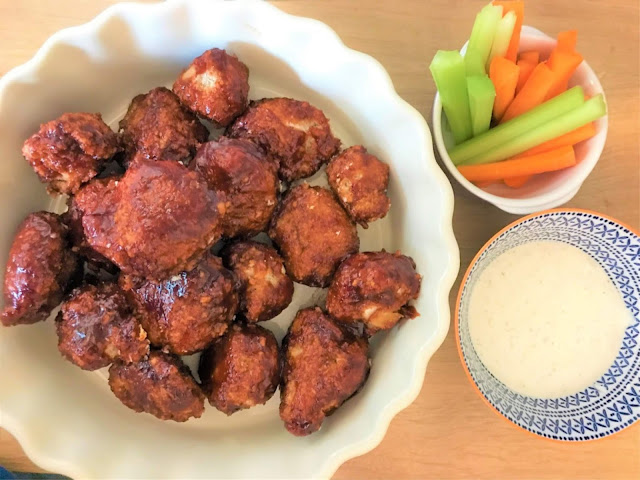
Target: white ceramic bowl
66, 419
613, 402
543, 191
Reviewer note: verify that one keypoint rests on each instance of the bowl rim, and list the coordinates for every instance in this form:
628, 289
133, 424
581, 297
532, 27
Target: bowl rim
563, 193
41, 455
456, 321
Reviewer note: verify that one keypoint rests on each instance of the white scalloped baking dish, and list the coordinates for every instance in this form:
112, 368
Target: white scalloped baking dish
66, 419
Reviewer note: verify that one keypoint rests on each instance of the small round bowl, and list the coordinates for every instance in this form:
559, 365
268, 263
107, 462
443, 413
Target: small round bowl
613, 402
546, 190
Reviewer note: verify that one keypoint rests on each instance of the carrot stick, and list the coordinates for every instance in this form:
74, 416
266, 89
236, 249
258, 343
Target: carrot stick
550, 161
567, 40
516, 182
531, 56
504, 75
527, 61
517, 7
526, 68
532, 93
562, 63
575, 136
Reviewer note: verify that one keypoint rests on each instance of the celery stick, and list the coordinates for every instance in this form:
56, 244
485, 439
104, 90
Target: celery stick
501, 40
481, 96
473, 63
503, 133
481, 39
589, 111
447, 68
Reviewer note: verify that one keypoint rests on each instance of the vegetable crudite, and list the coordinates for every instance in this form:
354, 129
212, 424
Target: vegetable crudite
530, 111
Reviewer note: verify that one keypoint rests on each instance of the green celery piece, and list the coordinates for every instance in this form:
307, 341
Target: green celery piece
473, 63
481, 39
501, 40
589, 111
447, 68
482, 93
519, 125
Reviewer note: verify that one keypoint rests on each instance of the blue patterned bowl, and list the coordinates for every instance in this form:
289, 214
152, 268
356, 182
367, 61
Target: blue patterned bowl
613, 403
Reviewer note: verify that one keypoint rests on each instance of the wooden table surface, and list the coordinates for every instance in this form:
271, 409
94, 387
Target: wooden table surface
447, 432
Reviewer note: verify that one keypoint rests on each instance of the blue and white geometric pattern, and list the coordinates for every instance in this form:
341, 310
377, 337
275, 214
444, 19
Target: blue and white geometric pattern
613, 403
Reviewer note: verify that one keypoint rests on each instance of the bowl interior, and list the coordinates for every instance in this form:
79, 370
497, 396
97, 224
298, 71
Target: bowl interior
548, 187
100, 67
613, 403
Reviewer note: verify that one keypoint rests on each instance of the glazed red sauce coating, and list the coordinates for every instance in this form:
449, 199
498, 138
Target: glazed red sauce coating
40, 268
187, 311
265, 289
246, 178
374, 288
153, 222
157, 127
360, 182
95, 189
241, 369
96, 325
70, 150
295, 134
161, 385
324, 365
313, 234
215, 86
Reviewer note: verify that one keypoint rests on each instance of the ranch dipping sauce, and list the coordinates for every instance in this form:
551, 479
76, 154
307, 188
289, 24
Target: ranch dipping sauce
546, 320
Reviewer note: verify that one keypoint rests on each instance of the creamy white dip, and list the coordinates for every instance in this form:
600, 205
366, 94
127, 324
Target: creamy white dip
546, 320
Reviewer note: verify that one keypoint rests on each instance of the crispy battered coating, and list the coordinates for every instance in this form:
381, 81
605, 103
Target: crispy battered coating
158, 127
360, 182
162, 386
324, 365
265, 289
70, 150
313, 233
374, 288
215, 86
73, 219
241, 369
296, 134
187, 311
249, 181
96, 325
155, 221
40, 268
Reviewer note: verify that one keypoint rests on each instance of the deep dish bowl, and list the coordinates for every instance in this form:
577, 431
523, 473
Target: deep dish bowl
613, 402
66, 419
546, 190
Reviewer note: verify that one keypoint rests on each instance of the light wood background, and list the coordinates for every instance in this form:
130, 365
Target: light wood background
447, 432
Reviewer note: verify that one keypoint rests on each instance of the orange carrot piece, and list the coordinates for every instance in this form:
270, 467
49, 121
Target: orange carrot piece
526, 68
516, 182
527, 61
567, 40
578, 135
504, 75
531, 56
517, 7
483, 184
532, 93
562, 63
550, 161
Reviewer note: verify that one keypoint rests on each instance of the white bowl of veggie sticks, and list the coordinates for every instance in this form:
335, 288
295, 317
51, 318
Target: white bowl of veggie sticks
544, 190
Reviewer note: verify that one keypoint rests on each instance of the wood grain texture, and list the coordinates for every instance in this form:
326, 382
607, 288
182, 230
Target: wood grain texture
447, 432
